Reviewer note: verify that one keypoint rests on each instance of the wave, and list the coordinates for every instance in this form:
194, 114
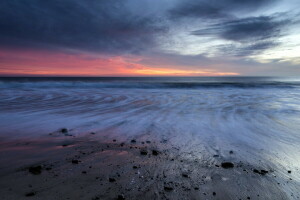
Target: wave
146, 83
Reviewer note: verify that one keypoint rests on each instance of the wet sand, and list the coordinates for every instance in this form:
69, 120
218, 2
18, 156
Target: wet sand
62, 166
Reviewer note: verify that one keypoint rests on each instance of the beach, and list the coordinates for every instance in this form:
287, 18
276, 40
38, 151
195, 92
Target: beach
142, 138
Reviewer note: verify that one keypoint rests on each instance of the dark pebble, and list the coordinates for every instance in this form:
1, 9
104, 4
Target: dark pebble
231, 152
168, 188
185, 175
155, 152
144, 152
92, 133
261, 172
133, 141
84, 172
121, 197
64, 130
30, 194
214, 193
134, 167
148, 142
227, 165
112, 180
75, 161
289, 171
35, 170
114, 140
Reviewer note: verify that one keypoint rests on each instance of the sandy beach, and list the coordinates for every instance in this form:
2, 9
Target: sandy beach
61, 166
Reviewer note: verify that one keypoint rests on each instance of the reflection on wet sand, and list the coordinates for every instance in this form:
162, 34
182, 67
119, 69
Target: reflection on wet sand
60, 166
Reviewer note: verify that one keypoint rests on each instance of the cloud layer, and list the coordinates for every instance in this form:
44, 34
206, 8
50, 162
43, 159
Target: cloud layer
94, 25
235, 31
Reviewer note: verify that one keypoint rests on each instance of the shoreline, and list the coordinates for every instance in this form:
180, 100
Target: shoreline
60, 166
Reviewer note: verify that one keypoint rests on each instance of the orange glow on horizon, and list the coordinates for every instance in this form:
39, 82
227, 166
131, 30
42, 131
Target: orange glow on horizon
176, 72
58, 64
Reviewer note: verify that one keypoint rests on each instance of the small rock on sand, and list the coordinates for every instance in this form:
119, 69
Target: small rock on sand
36, 170
227, 165
30, 194
112, 180
261, 172
121, 197
75, 161
155, 152
144, 152
133, 141
64, 130
168, 188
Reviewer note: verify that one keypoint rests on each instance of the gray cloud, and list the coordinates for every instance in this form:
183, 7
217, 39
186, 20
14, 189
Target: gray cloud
249, 35
94, 25
213, 9
245, 49
132, 26
245, 29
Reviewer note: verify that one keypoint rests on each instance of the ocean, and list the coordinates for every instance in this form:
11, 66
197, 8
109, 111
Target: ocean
221, 112
242, 108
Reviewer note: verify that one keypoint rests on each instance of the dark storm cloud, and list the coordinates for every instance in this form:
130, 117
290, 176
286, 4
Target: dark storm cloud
94, 25
245, 29
211, 9
131, 26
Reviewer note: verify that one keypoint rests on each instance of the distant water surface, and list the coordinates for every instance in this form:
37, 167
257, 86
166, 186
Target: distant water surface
32, 106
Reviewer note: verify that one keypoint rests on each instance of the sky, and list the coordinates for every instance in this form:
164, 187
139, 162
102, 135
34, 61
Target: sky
149, 38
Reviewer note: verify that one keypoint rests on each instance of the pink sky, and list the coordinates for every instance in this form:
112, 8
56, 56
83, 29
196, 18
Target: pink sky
49, 63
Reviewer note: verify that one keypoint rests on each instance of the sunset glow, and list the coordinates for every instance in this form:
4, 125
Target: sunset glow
149, 38
44, 63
